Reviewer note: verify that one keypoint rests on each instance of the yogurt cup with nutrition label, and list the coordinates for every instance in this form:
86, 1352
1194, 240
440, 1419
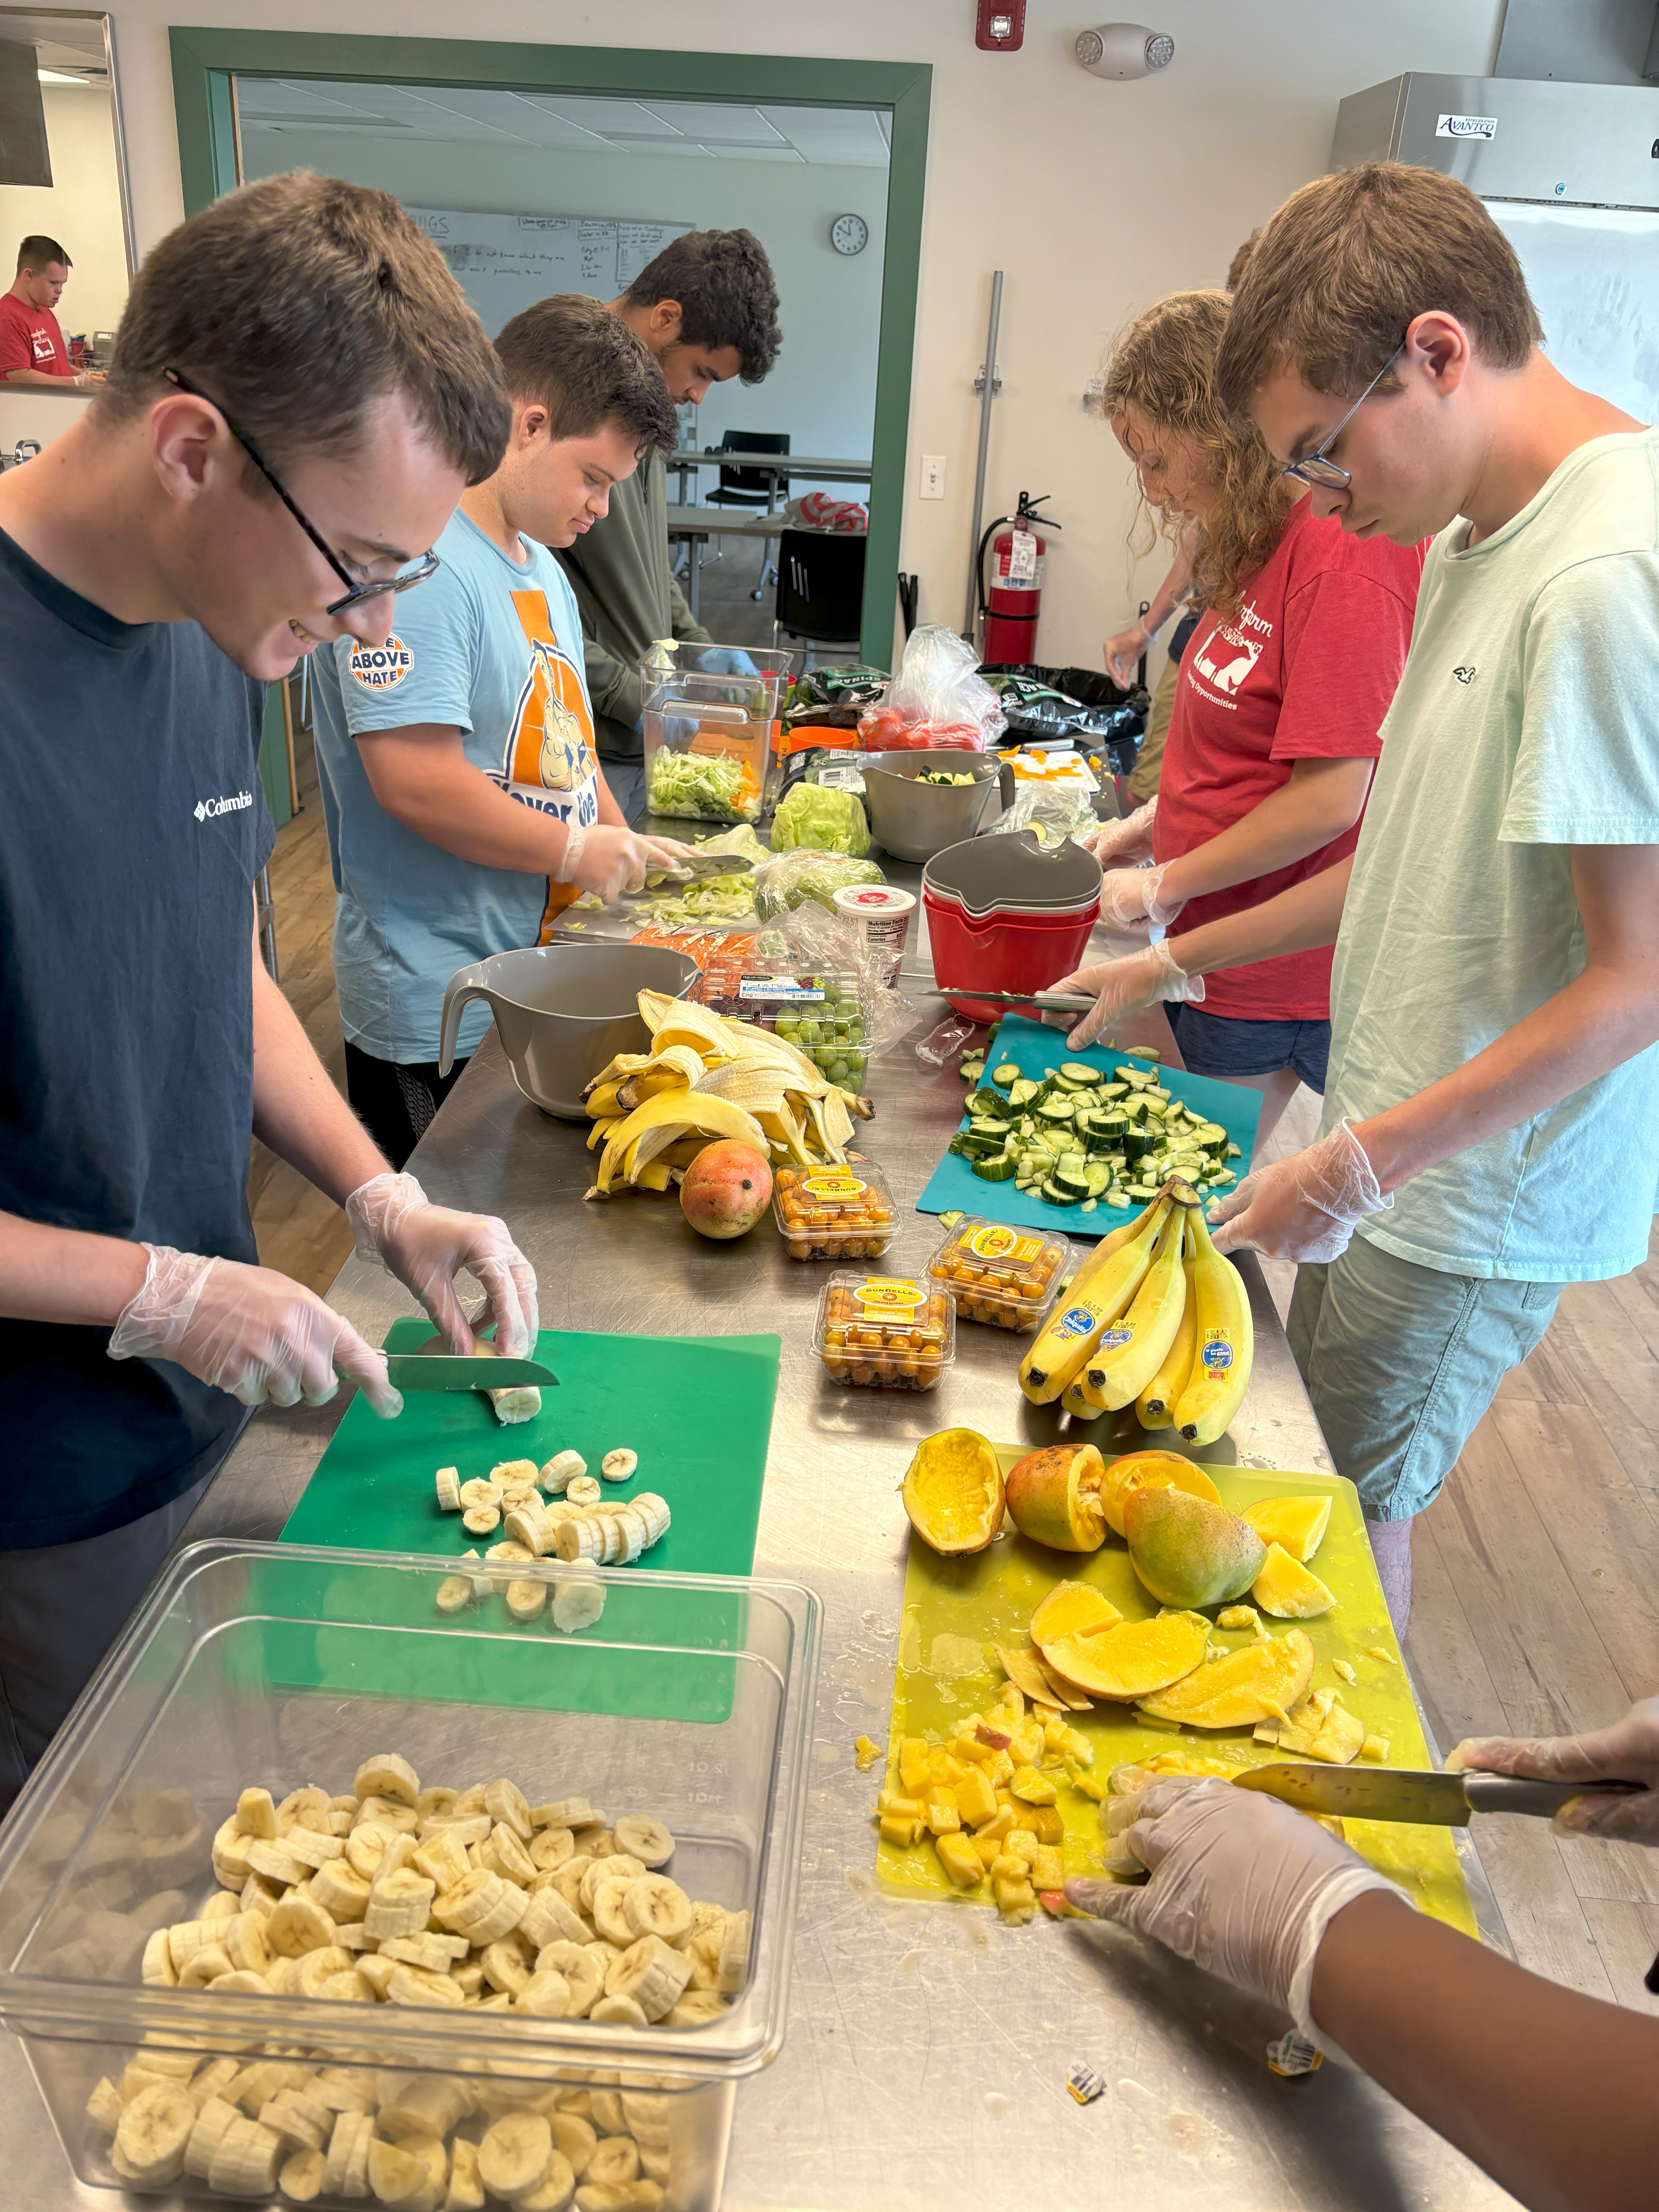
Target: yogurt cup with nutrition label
882, 916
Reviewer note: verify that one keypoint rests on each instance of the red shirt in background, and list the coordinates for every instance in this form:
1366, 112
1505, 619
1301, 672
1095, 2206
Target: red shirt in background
30, 338
1304, 670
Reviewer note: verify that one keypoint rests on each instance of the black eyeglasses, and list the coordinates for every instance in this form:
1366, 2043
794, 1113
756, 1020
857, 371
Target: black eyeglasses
1317, 468
354, 594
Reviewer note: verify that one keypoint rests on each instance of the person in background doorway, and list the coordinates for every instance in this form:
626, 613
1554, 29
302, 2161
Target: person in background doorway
32, 349
301, 333
1552, 2092
707, 310
1123, 651
1282, 693
465, 807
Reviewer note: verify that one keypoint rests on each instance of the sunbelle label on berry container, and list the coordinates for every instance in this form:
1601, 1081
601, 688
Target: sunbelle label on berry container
888, 1294
835, 1185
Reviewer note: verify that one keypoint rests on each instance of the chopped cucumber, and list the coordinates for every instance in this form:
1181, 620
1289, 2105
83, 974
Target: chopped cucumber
1022, 1093
1002, 1169
1055, 1110
1233, 1153
1007, 1073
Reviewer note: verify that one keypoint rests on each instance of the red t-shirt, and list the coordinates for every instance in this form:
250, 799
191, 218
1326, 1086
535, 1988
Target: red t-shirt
30, 338
1305, 670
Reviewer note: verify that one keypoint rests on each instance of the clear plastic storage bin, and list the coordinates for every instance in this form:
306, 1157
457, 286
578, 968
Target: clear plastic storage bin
885, 1332
690, 1699
833, 1213
1007, 1277
709, 735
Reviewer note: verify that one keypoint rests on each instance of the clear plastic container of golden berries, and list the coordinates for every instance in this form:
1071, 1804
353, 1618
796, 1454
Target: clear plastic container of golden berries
885, 1332
1005, 1278
832, 1213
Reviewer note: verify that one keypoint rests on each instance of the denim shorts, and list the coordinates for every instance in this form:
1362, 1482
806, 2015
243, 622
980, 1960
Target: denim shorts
1219, 1044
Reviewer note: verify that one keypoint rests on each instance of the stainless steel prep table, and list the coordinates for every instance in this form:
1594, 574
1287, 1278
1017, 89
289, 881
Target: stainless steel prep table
927, 2046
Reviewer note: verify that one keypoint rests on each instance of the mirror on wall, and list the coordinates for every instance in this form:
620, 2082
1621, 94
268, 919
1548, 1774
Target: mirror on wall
66, 255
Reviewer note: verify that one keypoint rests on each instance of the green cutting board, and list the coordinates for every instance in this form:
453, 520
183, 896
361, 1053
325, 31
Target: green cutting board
957, 1611
697, 1409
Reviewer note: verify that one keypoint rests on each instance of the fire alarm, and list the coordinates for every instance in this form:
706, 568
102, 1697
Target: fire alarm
999, 26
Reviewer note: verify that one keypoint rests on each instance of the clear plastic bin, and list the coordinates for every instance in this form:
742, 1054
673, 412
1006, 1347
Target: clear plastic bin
834, 1212
1005, 1278
885, 1332
710, 737
823, 1018
691, 1698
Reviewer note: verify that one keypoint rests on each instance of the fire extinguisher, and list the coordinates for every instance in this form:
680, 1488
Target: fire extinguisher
1010, 613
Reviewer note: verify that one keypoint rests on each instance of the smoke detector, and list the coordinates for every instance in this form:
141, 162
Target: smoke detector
1124, 50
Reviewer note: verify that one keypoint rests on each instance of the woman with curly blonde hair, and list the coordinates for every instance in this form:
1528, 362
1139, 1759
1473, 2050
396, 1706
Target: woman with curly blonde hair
1282, 691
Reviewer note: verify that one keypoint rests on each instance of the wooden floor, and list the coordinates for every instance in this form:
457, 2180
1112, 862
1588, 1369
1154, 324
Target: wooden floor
1537, 1605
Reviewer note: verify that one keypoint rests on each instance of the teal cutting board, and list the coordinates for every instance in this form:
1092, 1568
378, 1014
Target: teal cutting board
954, 1187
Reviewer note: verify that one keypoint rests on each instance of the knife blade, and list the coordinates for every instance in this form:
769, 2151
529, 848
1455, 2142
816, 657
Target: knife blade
1419, 1796
695, 866
1063, 1002
414, 1370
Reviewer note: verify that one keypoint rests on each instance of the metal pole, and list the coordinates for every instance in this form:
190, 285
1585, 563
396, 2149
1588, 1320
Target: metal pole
987, 384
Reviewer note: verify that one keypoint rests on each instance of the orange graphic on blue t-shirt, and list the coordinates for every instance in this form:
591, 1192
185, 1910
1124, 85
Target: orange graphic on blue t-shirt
551, 742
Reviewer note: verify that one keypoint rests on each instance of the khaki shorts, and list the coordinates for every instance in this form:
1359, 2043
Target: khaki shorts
1401, 1361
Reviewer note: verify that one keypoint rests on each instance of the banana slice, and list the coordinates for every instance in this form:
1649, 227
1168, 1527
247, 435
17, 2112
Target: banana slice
157, 1969
605, 2106
222, 1905
244, 2160
399, 1904
342, 2089
733, 1970
301, 2177
565, 1813
412, 1985
340, 1892
256, 1815
210, 2081
388, 1813
312, 1849
424, 2105
606, 1911
481, 1520
436, 1954
549, 1918
443, 1857
614, 2161
577, 1603
525, 1599
515, 2155
211, 2122
153, 2131
481, 1907
583, 1976
656, 2165
506, 1472
504, 1966
653, 1906
505, 1801
238, 1983
465, 2189
648, 1840
374, 1974
545, 1993
617, 1465
387, 1775
653, 1973
276, 1864
503, 1849
480, 1491
302, 2125
618, 2012
551, 1849
574, 2140
553, 2192
104, 2106
300, 1924
346, 2125
205, 1965
230, 1854
448, 1482
608, 1867
396, 2175
647, 2115
583, 1490
561, 1471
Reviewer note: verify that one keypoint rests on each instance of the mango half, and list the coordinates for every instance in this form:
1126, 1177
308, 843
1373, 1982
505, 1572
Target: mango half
1053, 1498
953, 1492
1189, 1551
1151, 1470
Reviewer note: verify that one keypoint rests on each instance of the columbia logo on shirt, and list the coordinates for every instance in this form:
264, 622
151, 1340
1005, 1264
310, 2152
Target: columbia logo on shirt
207, 810
380, 667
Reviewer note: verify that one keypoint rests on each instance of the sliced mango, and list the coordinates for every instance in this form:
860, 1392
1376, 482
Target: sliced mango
1299, 1524
1259, 1683
1071, 1609
960, 1861
1287, 1589
1135, 1659
1151, 1470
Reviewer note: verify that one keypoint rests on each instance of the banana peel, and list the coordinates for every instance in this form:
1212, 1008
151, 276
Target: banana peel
676, 1113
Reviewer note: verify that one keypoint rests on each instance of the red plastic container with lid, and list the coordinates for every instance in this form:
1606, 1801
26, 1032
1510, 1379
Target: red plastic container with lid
1007, 913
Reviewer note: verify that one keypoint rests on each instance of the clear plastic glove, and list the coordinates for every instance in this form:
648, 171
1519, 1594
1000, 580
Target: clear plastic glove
1129, 897
249, 1331
1304, 1207
1150, 978
1120, 652
609, 859
1626, 1751
427, 1246
1120, 843
1240, 1885
726, 660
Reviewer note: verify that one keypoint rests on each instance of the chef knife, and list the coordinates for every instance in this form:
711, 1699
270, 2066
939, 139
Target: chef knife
1062, 1002
414, 1370
1423, 1797
695, 867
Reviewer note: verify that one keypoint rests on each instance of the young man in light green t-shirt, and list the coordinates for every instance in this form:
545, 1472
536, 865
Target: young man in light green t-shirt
1490, 1131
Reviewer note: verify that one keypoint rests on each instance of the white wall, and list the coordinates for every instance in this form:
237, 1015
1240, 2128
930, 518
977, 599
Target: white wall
82, 209
1094, 197
822, 390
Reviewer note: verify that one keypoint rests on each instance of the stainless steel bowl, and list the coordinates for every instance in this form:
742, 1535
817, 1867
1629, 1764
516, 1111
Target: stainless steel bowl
563, 1011
912, 821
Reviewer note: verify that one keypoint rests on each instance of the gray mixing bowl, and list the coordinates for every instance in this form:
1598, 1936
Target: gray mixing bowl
912, 821
563, 1012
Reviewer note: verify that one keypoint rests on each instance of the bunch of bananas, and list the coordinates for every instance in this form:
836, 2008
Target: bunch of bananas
1155, 1318
707, 1077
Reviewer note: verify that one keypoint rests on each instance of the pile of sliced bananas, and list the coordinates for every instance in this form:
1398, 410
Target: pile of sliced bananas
555, 1512
469, 1900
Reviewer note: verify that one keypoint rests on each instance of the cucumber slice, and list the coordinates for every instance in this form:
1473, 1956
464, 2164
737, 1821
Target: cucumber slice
1055, 1110
1117, 1199
1073, 1071
1089, 1206
999, 1169
1233, 1153
1099, 1180
1055, 1195
1022, 1092
984, 1100
1007, 1073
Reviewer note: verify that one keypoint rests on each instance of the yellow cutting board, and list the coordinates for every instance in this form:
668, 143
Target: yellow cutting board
957, 1611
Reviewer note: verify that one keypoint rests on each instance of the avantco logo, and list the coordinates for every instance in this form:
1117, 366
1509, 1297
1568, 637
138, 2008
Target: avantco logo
208, 810
1466, 126
380, 667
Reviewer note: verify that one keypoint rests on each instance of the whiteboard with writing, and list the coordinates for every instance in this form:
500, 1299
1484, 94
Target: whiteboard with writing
506, 262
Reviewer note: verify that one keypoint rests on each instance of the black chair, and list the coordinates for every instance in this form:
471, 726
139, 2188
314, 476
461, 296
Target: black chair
820, 587
752, 489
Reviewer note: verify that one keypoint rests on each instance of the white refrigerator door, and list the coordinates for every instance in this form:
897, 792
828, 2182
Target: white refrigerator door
1594, 275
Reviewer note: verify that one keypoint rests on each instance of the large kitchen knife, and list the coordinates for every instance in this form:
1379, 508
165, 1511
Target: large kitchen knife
416, 1370
1423, 1797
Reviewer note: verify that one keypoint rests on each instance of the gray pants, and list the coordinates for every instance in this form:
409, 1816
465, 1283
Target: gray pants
627, 780
61, 1608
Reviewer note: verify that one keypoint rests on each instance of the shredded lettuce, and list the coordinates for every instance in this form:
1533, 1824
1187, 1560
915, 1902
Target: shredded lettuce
821, 816
702, 787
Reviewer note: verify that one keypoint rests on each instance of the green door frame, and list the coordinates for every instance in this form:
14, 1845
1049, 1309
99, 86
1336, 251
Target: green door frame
205, 61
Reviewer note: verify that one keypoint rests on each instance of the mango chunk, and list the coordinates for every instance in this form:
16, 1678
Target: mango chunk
942, 1817
1285, 1587
1032, 1787
1296, 1525
976, 1801
1135, 1659
915, 1764
1238, 1616
1262, 1682
897, 1828
1374, 1747
864, 1753
960, 1861
1071, 1608
1319, 1728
